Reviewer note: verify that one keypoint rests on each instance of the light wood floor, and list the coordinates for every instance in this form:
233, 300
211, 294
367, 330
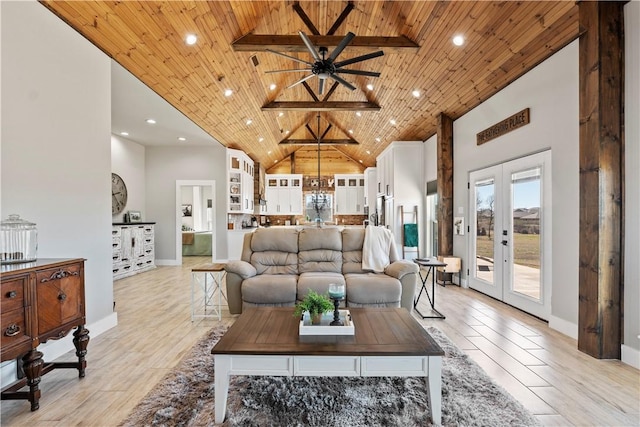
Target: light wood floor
539, 367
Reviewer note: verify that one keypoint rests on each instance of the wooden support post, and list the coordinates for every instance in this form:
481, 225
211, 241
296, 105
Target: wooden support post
445, 185
601, 70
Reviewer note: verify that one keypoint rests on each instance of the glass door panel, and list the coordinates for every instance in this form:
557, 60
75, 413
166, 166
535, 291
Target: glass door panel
485, 192
526, 203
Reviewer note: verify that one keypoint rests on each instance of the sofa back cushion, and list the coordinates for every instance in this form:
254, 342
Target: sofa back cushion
352, 240
320, 249
275, 251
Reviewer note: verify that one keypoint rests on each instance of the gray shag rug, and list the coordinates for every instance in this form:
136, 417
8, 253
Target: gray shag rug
185, 397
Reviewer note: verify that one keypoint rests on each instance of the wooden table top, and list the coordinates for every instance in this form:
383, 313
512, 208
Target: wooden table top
378, 332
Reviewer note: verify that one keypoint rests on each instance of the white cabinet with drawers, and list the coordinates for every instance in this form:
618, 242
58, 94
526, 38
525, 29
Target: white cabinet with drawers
133, 248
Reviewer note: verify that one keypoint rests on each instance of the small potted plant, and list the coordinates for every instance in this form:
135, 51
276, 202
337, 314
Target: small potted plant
316, 304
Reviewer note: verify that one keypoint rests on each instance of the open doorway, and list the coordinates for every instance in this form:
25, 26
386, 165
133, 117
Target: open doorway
195, 219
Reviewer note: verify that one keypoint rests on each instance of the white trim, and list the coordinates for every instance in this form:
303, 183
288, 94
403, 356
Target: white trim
630, 356
168, 261
53, 349
570, 329
179, 184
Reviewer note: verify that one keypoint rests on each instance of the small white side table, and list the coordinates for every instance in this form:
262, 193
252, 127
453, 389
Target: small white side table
208, 279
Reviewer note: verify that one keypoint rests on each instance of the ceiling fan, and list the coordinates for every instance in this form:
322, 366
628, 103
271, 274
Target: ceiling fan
327, 67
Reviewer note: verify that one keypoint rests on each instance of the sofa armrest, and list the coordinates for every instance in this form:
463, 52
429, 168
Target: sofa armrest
401, 268
407, 273
237, 271
241, 268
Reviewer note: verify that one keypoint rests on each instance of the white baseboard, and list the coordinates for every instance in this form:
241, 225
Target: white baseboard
167, 262
563, 326
631, 356
56, 348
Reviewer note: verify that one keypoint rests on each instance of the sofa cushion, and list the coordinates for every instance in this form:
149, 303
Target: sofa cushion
274, 262
270, 289
370, 289
352, 240
320, 249
275, 239
318, 282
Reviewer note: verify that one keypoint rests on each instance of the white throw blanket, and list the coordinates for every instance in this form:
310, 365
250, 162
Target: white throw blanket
376, 247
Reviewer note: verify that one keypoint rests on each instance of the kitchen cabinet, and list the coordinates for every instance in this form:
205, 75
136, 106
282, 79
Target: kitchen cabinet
240, 182
370, 188
284, 194
349, 194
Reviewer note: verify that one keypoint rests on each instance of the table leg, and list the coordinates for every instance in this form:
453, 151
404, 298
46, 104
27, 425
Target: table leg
222, 368
434, 383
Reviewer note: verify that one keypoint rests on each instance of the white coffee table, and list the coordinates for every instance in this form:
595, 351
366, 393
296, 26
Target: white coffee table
387, 342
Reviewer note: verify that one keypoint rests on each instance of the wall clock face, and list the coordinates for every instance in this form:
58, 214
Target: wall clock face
118, 194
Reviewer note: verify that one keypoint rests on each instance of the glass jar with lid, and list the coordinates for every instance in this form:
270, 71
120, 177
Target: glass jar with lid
19, 239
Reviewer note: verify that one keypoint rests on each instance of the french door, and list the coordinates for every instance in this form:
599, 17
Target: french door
510, 233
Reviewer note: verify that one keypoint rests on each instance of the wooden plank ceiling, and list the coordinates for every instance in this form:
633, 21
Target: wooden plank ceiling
503, 41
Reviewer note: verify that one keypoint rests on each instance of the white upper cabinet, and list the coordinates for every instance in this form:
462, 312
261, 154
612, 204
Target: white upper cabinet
350, 190
284, 194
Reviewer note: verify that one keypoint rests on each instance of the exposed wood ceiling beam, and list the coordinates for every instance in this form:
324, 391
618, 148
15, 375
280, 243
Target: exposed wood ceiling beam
293, 43
307, 21
321, 106
345, 12
346, 141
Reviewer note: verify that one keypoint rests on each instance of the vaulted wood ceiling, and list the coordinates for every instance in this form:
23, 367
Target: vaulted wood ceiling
503, 40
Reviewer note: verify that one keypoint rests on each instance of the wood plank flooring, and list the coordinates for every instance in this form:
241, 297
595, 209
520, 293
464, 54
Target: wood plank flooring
538, 366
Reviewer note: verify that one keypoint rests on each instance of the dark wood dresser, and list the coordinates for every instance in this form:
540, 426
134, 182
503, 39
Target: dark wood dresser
40, 300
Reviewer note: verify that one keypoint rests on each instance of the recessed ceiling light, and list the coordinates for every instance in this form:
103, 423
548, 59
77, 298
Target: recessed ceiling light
393, 122
358, 113
191, 39
151, 121
272, 86
280, 114
286, 132
249, 121
370, 86
275, 161
368, 152
378, 139
350, 130
124, 133
416, 93
268, 152
458, 40
360, 160
260, 139
228, 92
182, 139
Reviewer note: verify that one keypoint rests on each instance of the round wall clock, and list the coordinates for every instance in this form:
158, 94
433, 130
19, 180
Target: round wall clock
118, 194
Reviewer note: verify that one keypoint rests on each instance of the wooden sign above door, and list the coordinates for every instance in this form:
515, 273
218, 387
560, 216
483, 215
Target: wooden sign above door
519, 119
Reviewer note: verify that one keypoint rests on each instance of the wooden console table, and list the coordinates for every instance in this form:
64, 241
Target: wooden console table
40, 300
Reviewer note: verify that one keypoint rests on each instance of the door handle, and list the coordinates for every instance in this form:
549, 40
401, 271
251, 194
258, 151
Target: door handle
504, 243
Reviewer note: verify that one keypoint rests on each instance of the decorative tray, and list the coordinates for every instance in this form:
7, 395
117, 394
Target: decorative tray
324, 328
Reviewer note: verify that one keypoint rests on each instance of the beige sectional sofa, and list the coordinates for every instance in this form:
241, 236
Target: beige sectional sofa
279, 265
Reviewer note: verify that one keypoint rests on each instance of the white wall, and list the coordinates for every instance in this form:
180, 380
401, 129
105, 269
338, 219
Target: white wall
551, 92
166, 165
56, 168
127, 160
430, 165
631, 338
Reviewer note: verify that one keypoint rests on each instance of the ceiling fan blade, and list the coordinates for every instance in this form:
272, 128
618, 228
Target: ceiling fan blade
294, 70
342, 81
310, 46
320, 86
343, 43
305, 78
358, 59
359, 73
290, 57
